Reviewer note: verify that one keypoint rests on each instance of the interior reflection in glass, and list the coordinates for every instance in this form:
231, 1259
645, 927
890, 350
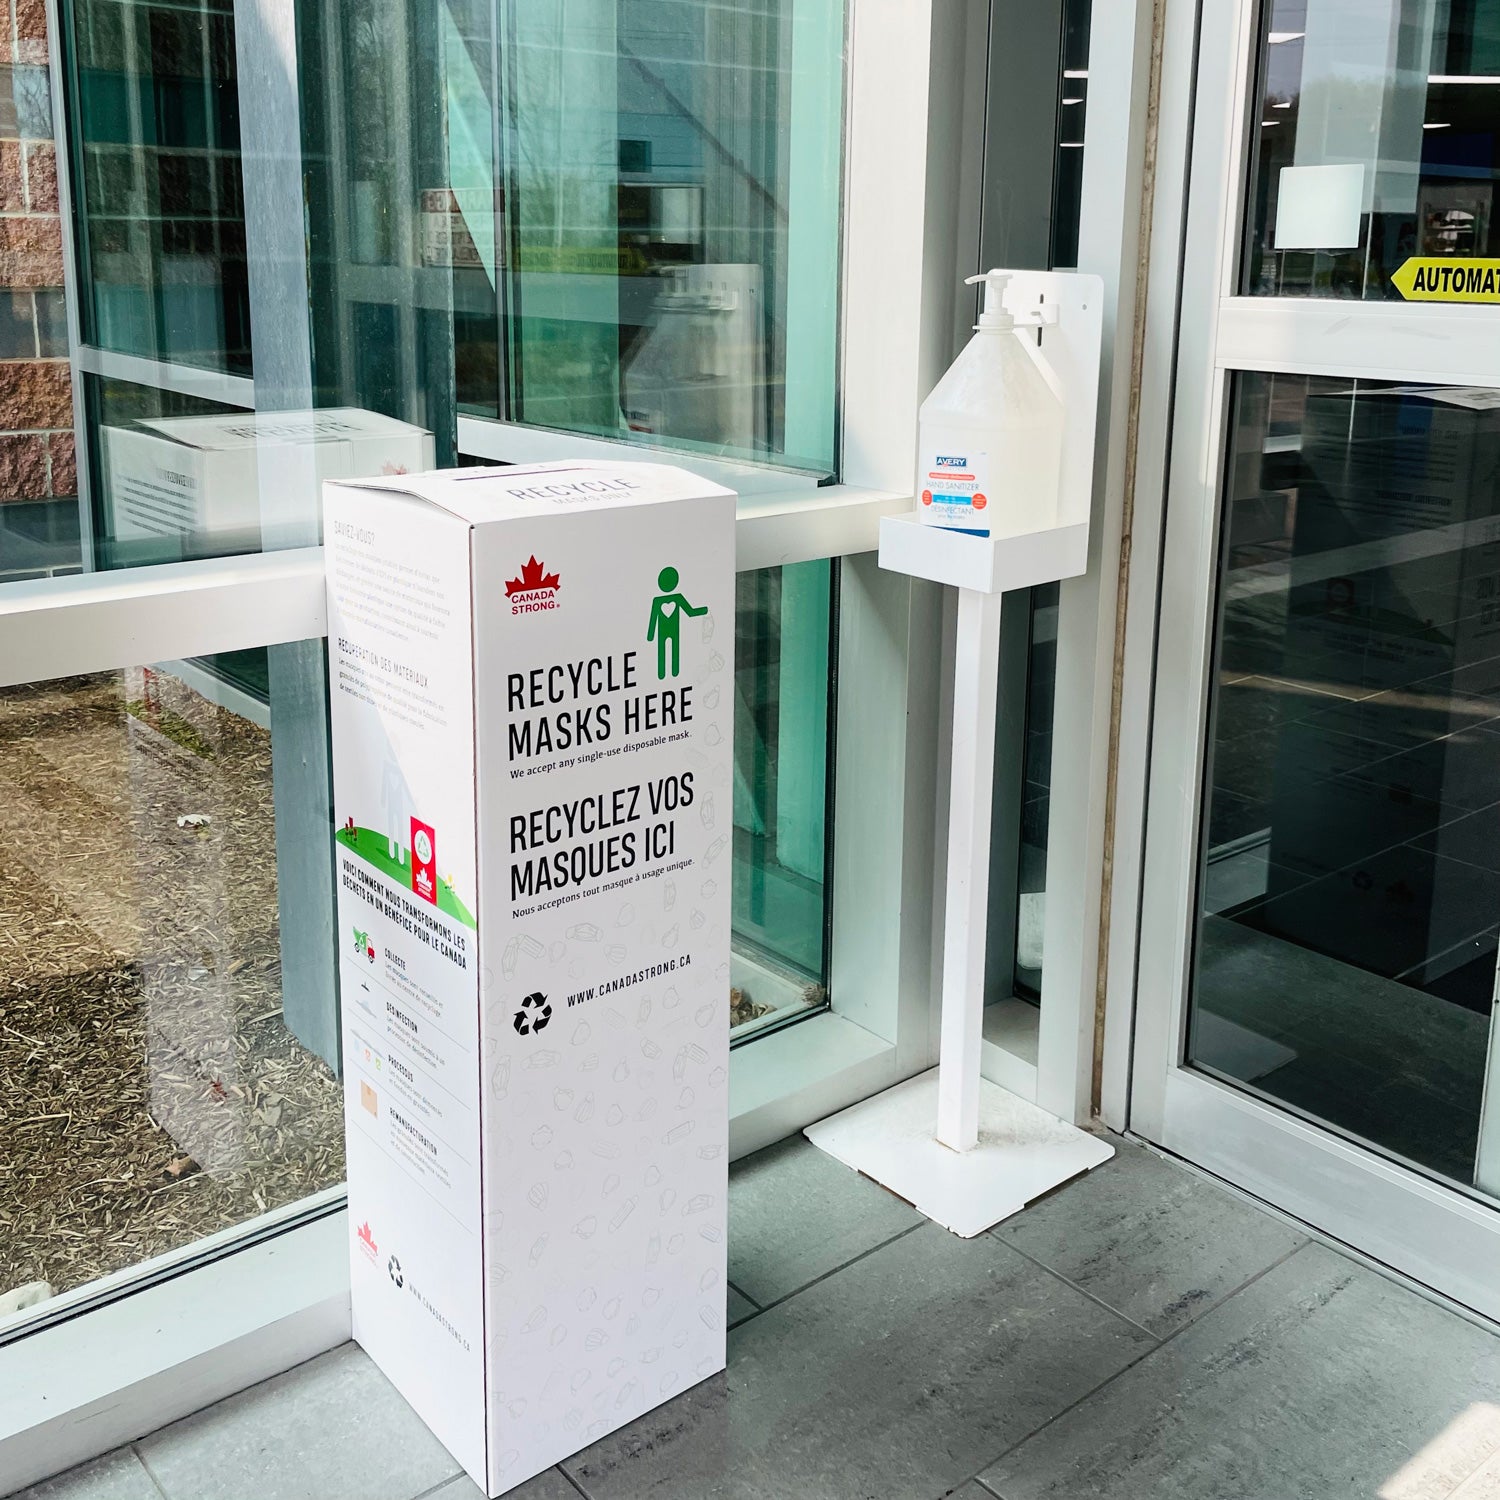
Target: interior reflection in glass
1350, 893
1376, 141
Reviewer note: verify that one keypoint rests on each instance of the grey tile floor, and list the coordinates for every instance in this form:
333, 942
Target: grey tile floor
1140, 1335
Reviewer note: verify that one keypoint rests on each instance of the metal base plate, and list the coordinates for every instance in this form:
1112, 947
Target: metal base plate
1022, 1153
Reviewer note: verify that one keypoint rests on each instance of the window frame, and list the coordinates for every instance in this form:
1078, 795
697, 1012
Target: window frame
253, 1325
911, 227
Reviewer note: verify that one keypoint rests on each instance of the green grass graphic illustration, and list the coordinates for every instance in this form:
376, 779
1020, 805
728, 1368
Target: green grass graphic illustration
371, 846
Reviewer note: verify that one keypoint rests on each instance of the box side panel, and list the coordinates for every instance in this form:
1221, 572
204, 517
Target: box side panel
401, 701
155, 485
606, 800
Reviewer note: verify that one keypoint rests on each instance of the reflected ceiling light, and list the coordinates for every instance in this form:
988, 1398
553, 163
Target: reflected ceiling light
1491, 78
1071, 145
1264, 123
1437, 125
1075, 72
1072, 101
1277, 37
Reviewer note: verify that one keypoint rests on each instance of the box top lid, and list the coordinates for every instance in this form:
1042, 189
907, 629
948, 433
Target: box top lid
504, 493
250, 429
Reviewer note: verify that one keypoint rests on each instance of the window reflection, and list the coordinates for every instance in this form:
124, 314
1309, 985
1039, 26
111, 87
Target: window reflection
1067, 189
178, 477
162, 1083
1377, 139
666, 223
1350, 895
162, 216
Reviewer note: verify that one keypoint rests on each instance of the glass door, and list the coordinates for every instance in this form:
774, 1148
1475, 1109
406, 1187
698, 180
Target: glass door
1321, 903
1349, 895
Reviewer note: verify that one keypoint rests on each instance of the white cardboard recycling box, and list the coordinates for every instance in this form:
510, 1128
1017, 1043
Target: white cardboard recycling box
532, 697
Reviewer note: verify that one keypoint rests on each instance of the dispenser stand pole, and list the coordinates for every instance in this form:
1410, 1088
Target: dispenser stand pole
976, 670
923, 1138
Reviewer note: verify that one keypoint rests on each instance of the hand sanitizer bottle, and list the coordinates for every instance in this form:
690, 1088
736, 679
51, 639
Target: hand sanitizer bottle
989, 453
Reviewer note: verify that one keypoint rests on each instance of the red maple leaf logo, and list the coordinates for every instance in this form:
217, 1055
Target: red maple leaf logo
533, 577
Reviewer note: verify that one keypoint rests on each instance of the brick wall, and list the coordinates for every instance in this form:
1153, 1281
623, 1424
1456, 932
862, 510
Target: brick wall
36, 410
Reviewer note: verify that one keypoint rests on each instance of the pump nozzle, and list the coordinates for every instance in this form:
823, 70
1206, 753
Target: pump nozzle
993, 314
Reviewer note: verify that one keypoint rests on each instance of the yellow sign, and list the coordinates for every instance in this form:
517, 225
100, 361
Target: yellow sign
1448, 279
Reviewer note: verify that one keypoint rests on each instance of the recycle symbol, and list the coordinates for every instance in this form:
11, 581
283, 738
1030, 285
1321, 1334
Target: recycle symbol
533, 1014
393, 1269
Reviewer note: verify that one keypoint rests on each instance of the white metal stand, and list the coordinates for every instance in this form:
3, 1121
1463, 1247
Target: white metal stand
976, 672
963, 1150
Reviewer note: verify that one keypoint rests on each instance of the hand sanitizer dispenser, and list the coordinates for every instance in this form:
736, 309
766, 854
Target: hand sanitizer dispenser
991, 433
1005, 443
1004, 482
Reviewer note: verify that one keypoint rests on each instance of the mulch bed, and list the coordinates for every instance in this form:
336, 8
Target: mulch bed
150, 1091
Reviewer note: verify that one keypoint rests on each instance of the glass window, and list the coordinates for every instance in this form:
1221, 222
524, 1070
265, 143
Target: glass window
1377, 139
398, 124
161, 214
628, 209
670, 222
1072, 112
1350, 888
627, 227
783, 688
161, 1081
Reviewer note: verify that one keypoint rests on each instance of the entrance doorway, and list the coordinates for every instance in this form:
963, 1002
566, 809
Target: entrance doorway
1321, 893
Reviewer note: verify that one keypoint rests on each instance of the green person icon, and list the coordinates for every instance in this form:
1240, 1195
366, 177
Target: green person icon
667, 610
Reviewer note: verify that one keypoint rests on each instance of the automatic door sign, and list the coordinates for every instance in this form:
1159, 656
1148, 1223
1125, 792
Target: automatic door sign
1446, 278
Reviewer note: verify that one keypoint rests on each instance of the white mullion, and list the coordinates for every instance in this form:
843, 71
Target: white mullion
168, 375
1360, 340
58, 627
99, 622
1165, 268
1184, 625
1109, 245
887, 365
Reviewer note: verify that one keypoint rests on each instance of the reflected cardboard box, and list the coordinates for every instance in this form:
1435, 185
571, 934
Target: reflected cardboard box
445, 235
699, 371
202, 480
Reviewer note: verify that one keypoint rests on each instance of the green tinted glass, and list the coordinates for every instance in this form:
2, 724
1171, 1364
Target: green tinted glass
156, 159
